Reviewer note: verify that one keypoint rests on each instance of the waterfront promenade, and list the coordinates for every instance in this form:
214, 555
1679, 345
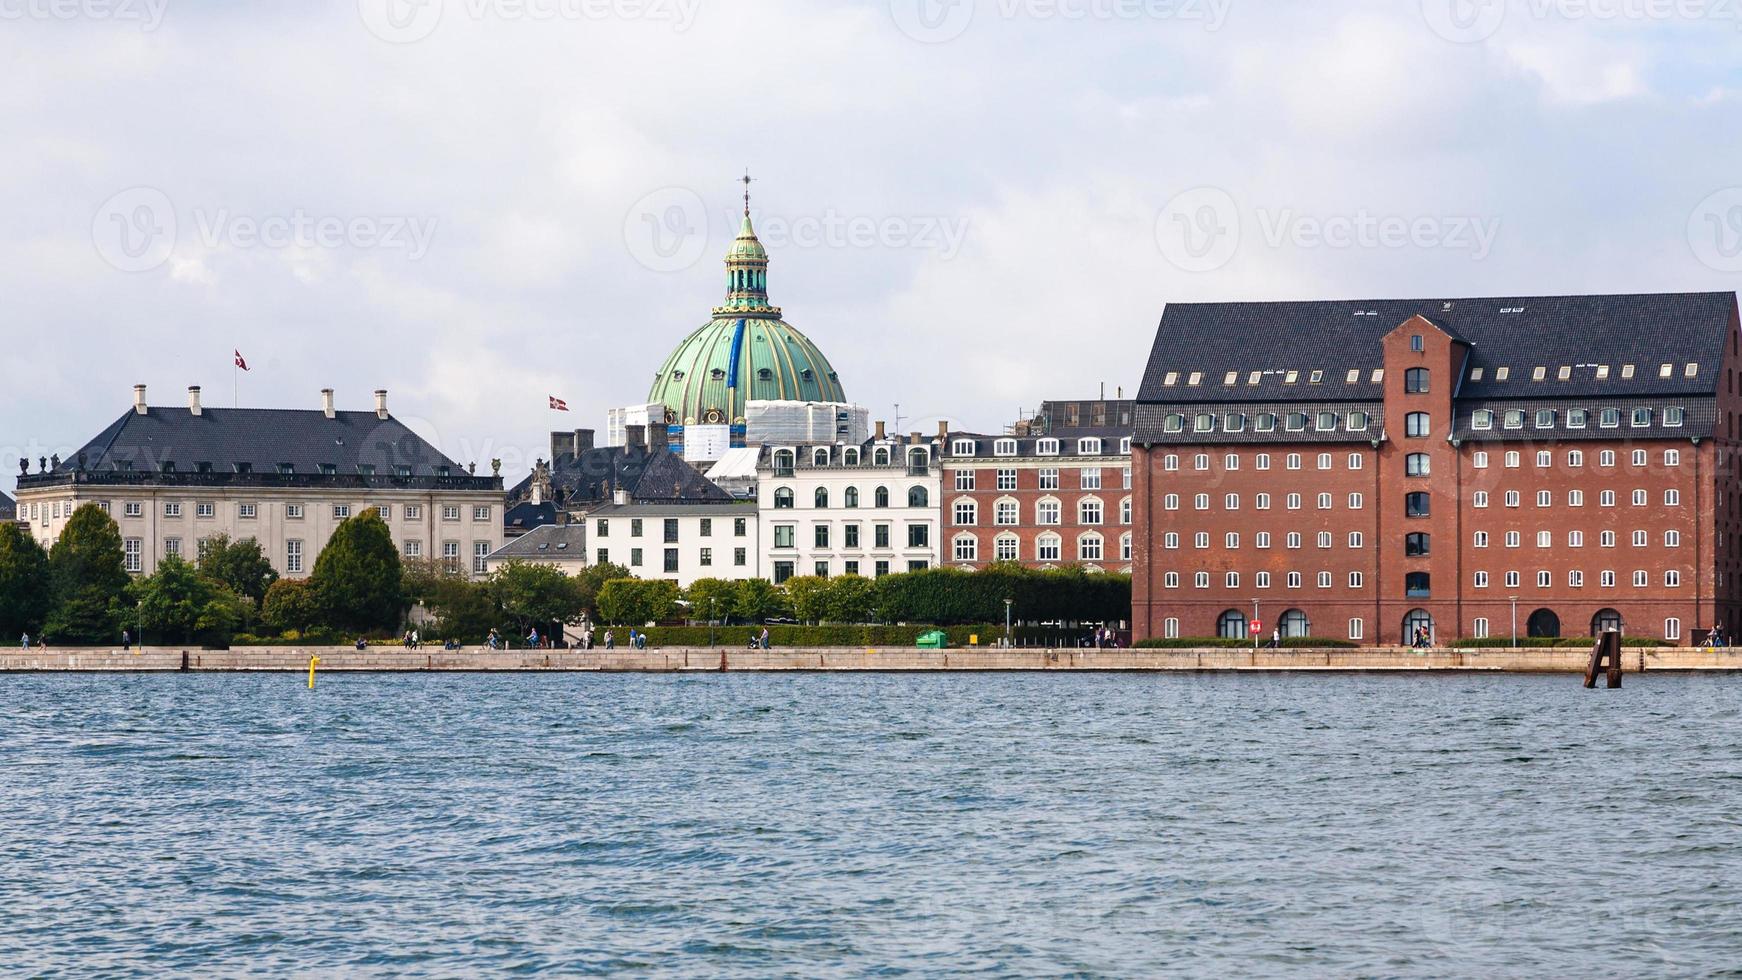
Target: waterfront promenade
1570, 660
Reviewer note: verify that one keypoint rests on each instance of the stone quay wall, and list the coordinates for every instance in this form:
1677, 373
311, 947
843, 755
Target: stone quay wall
671, 660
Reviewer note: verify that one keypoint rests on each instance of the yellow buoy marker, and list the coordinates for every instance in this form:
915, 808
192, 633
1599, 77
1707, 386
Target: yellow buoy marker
311, 671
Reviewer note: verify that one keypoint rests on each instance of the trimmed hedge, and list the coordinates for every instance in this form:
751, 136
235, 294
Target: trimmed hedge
1219, 642
729, 637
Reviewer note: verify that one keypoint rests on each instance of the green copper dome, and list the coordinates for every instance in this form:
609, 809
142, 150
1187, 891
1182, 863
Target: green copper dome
745, 353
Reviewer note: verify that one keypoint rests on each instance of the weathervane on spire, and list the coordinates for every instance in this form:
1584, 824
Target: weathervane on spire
747, 179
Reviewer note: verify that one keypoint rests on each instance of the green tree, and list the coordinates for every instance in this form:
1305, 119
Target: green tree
593, 578
87, 580
357, 579
712, 599
177, 604
290, 605
536, 595
758, 599
241, 566
633, 601
807, 594
849, 599
464, 611
24, 583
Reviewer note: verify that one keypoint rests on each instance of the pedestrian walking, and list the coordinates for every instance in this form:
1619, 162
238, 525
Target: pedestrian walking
1275, 637
764, 637
25, 640
610, 640
126, 640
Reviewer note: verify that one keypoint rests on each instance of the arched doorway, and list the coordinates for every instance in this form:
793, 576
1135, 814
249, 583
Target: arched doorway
1417, 619
1605, 620
1544, 623
1231, 625
1295, 623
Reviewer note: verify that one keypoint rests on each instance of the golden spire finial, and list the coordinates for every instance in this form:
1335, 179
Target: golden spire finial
747, 180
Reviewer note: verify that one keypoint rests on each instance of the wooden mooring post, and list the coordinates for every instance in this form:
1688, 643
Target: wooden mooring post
1606, 655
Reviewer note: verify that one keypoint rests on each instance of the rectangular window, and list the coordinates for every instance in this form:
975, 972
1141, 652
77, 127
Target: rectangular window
133, 551
964, 479
1672, 629
671, 561
740, 557
785, 536
414, 512
1089, 479
1356, 630
451, 555
341, 511
205, 510
413, 549
172, 510
246, 512
634, 557
1480, 628
1049, 479
880, 536
293, 557
1007, 479
918, 535
450, 513
133, 508
821, 535
850, 535
480, 556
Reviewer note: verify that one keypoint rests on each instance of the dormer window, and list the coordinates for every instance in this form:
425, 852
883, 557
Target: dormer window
1234, 422
1482, 419
1004, 447
1641, 418
1545, 418
1173, 422
1609, 418
677, 375
1357, 421
444, 471
819, 457
1048, 447
1674, 416
204, 466
244, 468
1266, 421
1327, 422
718, 374
167, 466
365, 469
850, 456
1204, 422
963, 447
1515, 418
1125, 446
1088, 447
880, 456
286, 469
1577, 417
1296, 422
402, 471
329, 469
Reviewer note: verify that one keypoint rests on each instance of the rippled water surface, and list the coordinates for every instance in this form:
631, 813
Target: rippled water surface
809, 825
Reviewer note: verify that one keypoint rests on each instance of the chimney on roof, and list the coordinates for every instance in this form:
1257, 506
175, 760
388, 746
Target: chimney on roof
881, 435
659, 437
139, 399
583, 441
327, 402
634, 437
381, 404
913, 438
193, 399
620, 497
560, 443
943, 429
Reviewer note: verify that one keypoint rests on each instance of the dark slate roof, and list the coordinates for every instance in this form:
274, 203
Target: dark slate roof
552, 541
1152, 423
8, 508
1055, 416
1701, 420
135, 447
1580, 332
647, 473
525, 516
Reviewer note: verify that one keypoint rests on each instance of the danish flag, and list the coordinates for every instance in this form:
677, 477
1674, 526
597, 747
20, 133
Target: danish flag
240, 362
558, 405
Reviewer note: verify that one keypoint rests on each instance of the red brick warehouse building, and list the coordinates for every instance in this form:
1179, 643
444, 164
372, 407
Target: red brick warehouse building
1356, 469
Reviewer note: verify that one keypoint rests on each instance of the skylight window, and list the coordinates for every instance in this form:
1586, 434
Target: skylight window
1666, 370
1692, 371
1566, 373
1253, 378
1354, 376
1500, 373
1171, 379
1317, 377
1196, 378
1475, 374
1231, 377
1378, 375
1602, 372
1538, 374
1626, 371
1291, 377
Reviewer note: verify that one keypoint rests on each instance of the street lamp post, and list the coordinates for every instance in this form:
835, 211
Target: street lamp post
711, 619
1254, 629
1514, 620
1008, 640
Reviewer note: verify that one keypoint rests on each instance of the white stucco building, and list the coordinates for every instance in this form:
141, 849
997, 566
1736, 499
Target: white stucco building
678, 542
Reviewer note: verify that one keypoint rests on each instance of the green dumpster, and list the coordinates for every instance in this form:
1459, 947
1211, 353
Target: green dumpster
935, 640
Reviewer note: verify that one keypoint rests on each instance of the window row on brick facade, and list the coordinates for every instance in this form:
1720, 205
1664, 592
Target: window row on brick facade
1085, 446
1261, 461
1672, 579
1544, 419
785, 499
1576, 539
1260, 539
1262, 580
1262, 501
1091, 546
1640, 497
1322, 421
1049, 478
1048, 511
1575, 458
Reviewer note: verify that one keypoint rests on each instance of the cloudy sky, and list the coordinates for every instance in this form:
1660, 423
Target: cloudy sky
971, 205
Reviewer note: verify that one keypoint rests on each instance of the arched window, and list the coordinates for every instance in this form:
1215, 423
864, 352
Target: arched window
1544, 623
1418, 626
851, 497
880, 456
1415, 505
917, 497
783, 460
918, 461
881, 498
850, 456
1416, 425
822, 498
1416, 464
1416, 545
1048, 547
1295, 623
1415, 381
783, 498
1231, 625
1605, 620
820, 457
